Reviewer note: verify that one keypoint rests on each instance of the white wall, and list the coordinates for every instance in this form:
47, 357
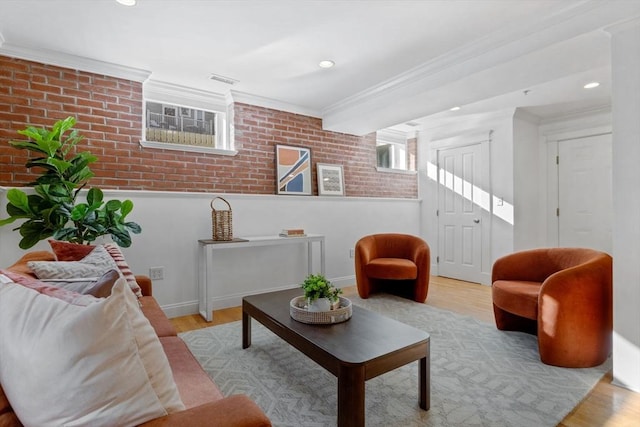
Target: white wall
528, 229
173, 223
626, 203
502, 187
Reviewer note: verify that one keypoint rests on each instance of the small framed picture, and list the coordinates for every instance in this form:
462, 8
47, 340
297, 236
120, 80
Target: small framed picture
185, 112
330, 180
293, 170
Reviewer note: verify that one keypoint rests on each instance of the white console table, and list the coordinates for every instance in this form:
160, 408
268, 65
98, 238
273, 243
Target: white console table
206, 274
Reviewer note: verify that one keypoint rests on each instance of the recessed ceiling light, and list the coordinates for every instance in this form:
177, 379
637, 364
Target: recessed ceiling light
591, 85
456, 108
326, 63
127, 2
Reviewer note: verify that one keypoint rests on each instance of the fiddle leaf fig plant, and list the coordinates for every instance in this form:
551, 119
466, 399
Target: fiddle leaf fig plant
54, 210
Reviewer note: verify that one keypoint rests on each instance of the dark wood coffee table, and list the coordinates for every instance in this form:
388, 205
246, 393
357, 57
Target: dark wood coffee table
365, 346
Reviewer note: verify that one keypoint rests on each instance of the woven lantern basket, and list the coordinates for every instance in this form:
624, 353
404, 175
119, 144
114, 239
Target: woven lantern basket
221, 222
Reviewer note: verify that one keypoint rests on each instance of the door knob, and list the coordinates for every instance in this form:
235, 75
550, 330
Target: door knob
476, 220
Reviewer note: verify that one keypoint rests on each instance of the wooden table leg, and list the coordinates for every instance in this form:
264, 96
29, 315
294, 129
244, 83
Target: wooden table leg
425, 381
246, 329
351, 396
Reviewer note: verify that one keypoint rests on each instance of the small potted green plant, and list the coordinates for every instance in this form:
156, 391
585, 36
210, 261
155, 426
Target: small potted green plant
320, 294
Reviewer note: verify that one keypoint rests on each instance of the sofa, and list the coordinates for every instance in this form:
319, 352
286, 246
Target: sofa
393, 259
203, 402
562, 295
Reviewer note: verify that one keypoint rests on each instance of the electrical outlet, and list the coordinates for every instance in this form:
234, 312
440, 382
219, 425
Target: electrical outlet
352, 253
156, 273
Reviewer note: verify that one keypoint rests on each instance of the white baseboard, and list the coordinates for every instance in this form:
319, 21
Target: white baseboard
235, 300
344, 281
180, 309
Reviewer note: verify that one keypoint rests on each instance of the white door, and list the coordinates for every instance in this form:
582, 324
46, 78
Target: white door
584, 193
459, 213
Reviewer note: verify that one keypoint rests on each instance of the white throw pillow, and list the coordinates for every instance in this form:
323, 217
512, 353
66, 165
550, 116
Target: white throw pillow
98, 287
100, 365
64, 270
93, 265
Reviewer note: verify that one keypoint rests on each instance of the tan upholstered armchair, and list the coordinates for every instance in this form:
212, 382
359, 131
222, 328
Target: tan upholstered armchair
564, 295
391, 258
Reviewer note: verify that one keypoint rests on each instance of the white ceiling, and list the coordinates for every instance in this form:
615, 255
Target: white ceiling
395, 60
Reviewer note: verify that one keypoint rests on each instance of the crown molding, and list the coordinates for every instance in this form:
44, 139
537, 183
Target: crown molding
153, 88
274, 104
623, 26
475, 123
157, 90
496, 40
521, 114
392, 135
502, 46
74, 62
604, 110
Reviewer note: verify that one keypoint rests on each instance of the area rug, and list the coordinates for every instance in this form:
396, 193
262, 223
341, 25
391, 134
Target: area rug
479, 376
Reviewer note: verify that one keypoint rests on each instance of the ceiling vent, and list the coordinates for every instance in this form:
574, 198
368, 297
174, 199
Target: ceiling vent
223, 79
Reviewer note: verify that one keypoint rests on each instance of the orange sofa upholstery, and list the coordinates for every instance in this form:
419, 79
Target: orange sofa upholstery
390, 258
205, 404
564, 295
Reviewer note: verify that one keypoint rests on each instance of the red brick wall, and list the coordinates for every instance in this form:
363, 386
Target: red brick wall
109, 114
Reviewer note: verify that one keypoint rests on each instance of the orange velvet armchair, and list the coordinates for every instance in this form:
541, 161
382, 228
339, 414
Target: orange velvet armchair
391, 258
564, 295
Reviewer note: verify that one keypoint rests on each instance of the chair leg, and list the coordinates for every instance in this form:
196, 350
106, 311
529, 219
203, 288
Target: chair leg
364, 287
420, 291
420, 295
506, 321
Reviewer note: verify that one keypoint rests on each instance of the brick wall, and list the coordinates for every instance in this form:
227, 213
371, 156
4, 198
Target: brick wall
109, 114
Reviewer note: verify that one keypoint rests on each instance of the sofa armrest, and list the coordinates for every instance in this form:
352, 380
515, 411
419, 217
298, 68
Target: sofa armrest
233, 411
146, 286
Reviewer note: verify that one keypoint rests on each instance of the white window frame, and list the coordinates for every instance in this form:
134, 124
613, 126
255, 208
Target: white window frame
180, 96
394, 138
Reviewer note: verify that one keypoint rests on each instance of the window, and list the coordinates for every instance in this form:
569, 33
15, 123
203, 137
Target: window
391, 150
180, 125
179, 118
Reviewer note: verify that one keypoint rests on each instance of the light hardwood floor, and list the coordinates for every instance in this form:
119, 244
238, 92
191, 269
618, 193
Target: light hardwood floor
606, 405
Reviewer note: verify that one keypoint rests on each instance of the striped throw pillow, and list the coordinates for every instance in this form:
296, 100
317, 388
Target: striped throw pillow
118, 257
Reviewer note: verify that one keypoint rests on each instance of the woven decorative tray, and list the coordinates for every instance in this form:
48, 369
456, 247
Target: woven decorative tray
298, 311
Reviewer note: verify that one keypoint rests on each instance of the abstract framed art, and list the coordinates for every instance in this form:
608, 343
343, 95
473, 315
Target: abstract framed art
330, 180
293, 170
